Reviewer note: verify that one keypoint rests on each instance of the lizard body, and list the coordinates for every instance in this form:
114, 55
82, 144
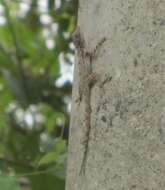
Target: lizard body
85, 71
87, 78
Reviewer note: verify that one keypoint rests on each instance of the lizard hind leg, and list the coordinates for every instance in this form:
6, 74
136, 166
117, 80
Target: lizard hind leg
83, 164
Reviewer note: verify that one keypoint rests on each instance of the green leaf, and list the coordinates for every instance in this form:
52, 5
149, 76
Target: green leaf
55, 156
14, 85
60, 145
49, 158
8, 183
5, 37
60, 170
2, 150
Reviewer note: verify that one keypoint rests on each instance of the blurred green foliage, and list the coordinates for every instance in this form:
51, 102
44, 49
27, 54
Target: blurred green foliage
35, 50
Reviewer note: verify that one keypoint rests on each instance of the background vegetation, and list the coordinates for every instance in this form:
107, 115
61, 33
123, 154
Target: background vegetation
36, 63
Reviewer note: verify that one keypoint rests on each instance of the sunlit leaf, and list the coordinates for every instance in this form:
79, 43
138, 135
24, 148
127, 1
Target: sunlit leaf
49, 158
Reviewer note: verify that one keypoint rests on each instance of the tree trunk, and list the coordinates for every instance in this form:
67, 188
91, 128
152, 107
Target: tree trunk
125, 44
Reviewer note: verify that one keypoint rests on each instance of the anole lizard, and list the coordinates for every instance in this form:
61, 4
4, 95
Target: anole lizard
87, 78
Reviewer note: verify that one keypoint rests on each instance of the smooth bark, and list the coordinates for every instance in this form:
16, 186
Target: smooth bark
127, 139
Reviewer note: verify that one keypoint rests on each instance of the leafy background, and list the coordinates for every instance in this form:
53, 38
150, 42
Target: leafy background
36, 64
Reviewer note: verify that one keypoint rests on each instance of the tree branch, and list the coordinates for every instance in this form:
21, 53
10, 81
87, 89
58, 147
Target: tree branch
17, 48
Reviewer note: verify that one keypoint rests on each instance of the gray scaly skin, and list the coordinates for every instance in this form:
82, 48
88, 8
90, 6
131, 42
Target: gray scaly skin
87, 79
85, 84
